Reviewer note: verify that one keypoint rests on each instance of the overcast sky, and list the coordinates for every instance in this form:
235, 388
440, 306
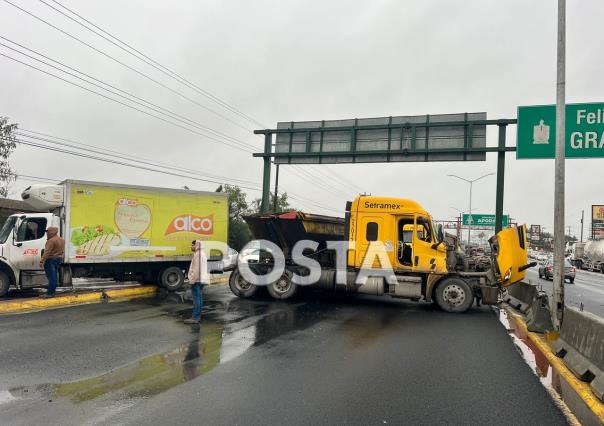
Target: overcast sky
304, 60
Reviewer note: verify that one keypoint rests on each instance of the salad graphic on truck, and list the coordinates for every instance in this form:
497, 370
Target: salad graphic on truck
95, 240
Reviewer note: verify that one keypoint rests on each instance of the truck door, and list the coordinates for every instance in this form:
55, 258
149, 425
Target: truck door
30, 239
424, 259
370, 229
404, 249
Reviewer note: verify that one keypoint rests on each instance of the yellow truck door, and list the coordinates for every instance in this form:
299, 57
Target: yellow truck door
510, 249
404, 246
424, 257
370, 228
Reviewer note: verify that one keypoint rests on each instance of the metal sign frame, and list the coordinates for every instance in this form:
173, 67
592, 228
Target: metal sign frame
500, 149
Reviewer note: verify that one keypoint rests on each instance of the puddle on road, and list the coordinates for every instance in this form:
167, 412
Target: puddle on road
228, 329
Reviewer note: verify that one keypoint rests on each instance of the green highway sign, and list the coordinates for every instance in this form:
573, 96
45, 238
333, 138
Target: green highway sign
584, 131
480, 220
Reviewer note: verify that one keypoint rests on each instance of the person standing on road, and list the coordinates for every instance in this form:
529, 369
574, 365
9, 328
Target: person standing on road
198, 277
51, 259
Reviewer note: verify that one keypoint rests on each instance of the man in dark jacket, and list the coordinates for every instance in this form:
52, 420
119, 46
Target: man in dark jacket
51, 259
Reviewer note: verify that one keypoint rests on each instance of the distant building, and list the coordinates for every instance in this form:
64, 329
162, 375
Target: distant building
9, 207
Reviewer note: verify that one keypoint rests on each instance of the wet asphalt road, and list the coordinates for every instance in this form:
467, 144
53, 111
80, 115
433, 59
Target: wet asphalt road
316, 360
587, 290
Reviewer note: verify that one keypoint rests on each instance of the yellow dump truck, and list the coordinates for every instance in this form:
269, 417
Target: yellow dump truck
393, 244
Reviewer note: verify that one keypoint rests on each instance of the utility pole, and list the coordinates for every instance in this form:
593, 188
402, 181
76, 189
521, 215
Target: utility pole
276, 189
582, 217
558, 296
470, 221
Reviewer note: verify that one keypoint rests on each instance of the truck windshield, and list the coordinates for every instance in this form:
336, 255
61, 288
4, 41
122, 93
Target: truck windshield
7, 228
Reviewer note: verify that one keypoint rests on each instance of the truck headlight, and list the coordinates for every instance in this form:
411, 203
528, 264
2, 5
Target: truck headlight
508, 275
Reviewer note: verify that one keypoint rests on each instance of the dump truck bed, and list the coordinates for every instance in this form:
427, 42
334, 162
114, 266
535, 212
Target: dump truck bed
286, 229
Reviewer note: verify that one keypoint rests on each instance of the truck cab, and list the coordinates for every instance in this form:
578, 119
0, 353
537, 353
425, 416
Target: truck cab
22, 241
405, 229
394, 242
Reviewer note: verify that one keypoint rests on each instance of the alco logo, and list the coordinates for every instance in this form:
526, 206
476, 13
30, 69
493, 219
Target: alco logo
190, 223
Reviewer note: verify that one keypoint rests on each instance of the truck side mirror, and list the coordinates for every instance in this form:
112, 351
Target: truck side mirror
439, 233
15, 229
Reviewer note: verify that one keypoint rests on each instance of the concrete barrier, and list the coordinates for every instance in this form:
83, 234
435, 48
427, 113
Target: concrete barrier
581, 346
538, 315
521, 296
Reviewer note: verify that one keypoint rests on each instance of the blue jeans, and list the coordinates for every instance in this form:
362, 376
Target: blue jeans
51, 267
197, 300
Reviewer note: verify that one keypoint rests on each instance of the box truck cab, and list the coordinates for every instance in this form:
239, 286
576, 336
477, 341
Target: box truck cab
114, 231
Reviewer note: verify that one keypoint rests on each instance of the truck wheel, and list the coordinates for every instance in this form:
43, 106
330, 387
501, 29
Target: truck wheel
454, 295
4, 284
283, 288
172, 278
240, 287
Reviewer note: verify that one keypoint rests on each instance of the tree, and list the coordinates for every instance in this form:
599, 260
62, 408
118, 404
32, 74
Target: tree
7, 146
239, 232
282, 203
570, 239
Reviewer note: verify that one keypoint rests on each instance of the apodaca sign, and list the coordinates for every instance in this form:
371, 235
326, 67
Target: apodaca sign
584, 131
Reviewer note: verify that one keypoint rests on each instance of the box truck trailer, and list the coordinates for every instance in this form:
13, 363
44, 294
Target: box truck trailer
124, 232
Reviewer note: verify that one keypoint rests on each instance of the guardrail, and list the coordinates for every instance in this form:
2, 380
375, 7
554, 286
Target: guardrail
535, 305
581, 347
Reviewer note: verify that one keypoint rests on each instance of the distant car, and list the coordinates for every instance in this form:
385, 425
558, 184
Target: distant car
229, 261
254, 254
546, 270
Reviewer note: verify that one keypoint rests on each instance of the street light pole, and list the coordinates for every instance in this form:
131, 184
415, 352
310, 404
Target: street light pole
470, 181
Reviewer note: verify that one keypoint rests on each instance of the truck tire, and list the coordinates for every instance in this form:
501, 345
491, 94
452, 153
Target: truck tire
454, 295
172, 278
283, 288
4, 284
240, 287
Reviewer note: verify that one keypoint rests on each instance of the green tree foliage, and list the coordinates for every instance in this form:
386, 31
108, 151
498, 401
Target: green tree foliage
282, 203
239, 232
7, 146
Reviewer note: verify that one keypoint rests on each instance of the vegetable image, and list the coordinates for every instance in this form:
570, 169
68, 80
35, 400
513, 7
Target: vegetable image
89, 233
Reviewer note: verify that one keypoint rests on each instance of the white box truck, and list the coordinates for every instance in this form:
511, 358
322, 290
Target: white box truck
123, 232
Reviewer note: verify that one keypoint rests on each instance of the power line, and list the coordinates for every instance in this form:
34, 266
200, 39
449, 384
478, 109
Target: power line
146, 59
293, 196
153, 107
126, 156
305, 175
124, 104
122, 156
121, 163
126, 65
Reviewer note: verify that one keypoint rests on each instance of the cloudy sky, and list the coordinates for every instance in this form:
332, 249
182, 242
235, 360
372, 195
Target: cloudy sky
301, 60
